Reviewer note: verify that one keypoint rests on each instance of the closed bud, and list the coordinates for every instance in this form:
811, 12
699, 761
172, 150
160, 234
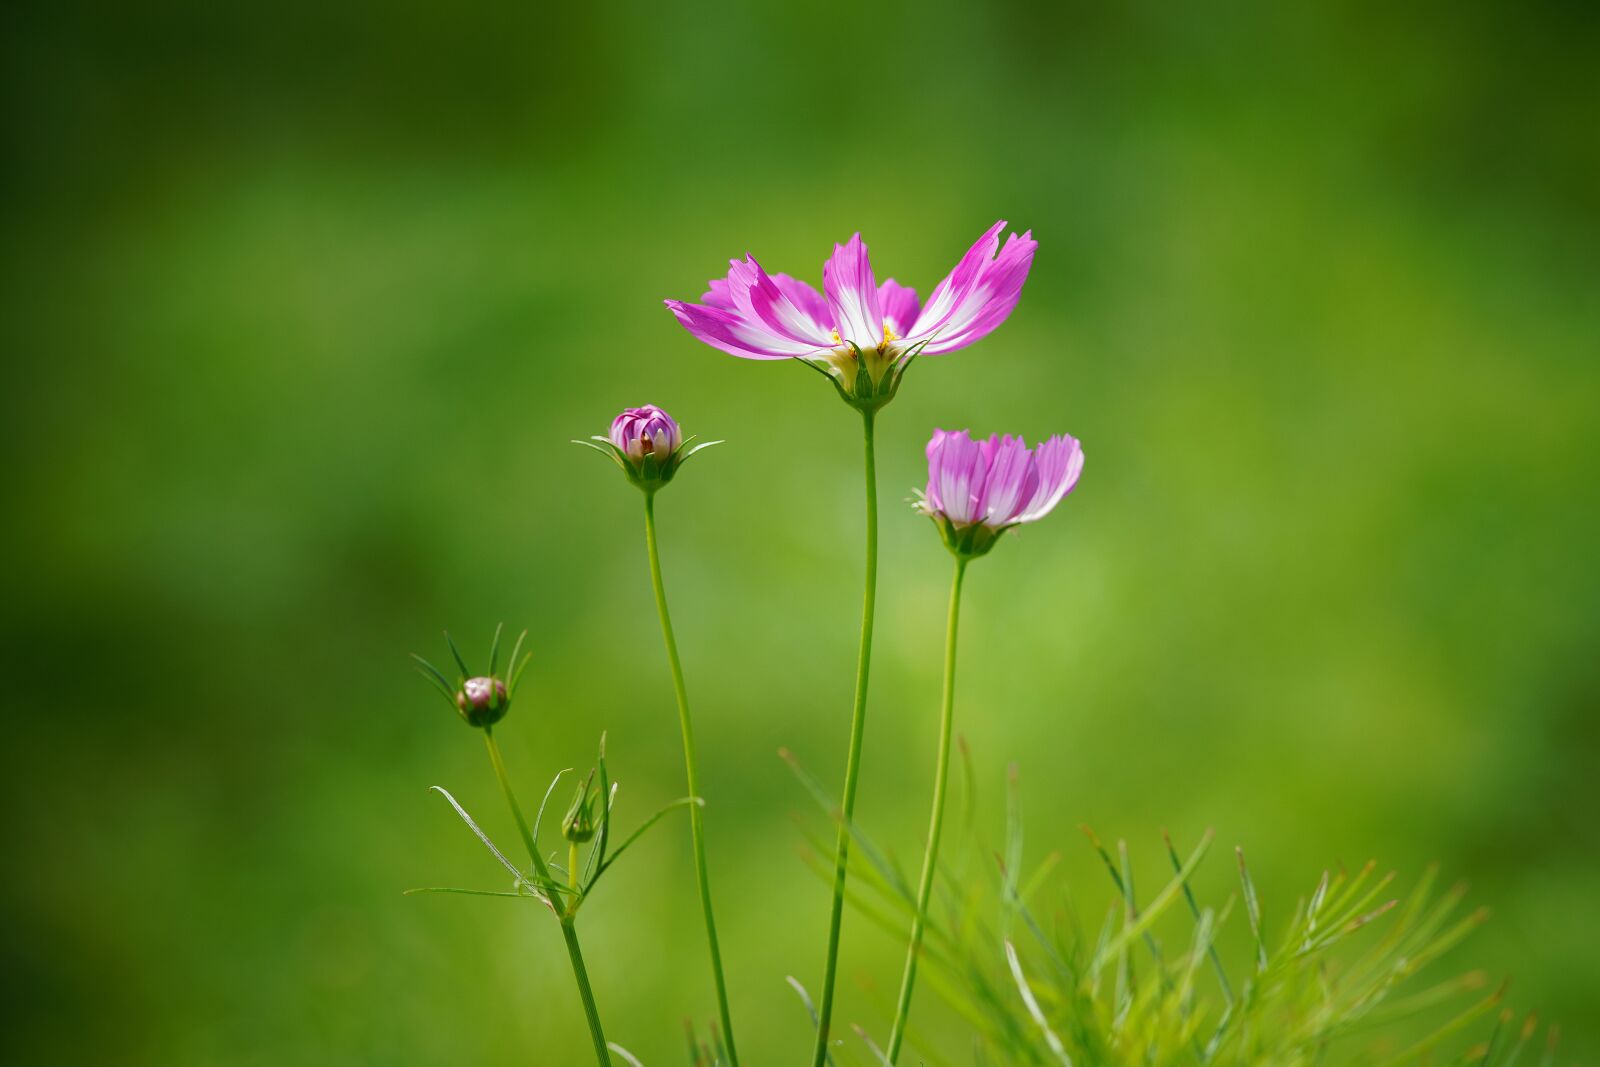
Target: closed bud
648, 445
483, 701
480, 699
579, 824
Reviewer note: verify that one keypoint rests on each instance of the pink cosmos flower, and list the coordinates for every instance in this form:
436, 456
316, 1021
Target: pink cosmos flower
648, 429
861, 333
979, 489
648, 446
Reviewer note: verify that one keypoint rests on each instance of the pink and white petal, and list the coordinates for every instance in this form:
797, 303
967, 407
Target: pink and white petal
852, 294
955, 285
807, 299
728, 331
932, 497
717, 295
991, 300
1012, 481
899, 306
1060, 462
960, 476
986, 301
761, 301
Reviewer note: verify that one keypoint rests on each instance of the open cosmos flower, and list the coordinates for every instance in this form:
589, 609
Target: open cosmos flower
861, 333
977, 490
647, 444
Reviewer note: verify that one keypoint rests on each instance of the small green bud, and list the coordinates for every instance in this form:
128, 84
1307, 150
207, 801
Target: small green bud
483, 701
579, 824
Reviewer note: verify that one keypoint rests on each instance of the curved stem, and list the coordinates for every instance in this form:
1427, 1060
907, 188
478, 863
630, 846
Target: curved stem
516, 809
919, 921
581, 974
852, 770
696, 815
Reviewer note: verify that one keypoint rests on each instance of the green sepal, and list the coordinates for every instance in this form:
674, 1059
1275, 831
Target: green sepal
968, 541
651, 472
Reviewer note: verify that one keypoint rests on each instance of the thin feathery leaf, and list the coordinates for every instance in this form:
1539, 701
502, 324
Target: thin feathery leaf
883, 1060
681, 802
1252, 907
473, 826
511, 664
456, 652
686, 452
1028, 1000
538, 818
1162, 900
891, 873
811, 1008
494, 648
431, 673
1194, 910
631, 1059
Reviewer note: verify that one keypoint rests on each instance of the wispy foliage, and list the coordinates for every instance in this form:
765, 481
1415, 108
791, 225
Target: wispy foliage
1348, 974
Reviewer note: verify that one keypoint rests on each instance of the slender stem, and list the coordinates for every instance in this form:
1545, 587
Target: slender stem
516, 809
852, 770
919, 921
581, 974
696, 815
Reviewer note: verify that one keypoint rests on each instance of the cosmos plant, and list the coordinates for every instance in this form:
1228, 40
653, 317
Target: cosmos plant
649, 447
863, 336
1032, 992
977, 490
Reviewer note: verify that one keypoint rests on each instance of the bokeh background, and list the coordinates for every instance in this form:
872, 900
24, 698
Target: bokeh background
303, 302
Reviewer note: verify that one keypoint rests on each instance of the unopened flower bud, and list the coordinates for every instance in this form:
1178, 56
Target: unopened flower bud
646, 431
648, 445
579, 824
483, 701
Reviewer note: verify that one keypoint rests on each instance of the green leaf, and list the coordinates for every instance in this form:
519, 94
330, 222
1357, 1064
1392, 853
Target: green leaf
1194, 910
891, 874
516, 674
685, 452
488, 844
624, 1053
494, 648
539, 815
430, 672
1162, 900
1032, 1004
651, 821
456, 652
1252, 907
811, 1009
470, 892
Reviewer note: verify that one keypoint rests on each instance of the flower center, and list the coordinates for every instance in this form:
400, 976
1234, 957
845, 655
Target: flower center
889, 336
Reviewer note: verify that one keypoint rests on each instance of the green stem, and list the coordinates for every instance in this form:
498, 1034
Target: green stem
919, 921
696, 813
516, 809
570, 932
852, 770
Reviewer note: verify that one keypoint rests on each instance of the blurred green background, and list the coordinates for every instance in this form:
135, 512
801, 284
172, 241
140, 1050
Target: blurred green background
303, 302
